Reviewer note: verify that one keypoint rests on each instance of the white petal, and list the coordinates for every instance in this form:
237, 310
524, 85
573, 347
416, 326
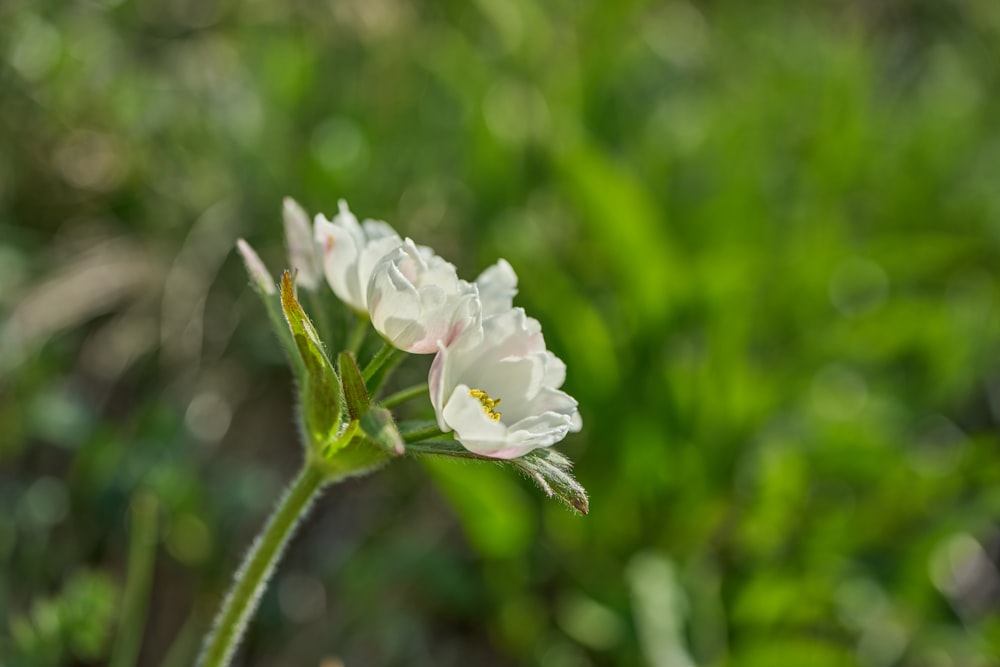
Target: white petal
437, 383
540, 431
391, 296
464, 413
350, 251
475, 430
497, 288
506, 358
555, 371
303, 253
415, 300
339, 250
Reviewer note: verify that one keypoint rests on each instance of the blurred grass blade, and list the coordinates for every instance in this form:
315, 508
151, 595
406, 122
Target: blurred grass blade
660, 608
320, 387
141, 558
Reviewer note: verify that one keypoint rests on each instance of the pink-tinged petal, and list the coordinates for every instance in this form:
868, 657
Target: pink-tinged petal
416, 301
508, 361
437, 382
515, 333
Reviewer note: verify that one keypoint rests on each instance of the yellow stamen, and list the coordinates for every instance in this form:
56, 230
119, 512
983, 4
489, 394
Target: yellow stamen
488, 403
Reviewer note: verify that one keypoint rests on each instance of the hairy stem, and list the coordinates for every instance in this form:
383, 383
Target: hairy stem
422, 434
357, 336
258, 566
381, 357
404, 395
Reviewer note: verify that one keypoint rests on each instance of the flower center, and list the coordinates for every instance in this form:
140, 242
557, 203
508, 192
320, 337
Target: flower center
488, 403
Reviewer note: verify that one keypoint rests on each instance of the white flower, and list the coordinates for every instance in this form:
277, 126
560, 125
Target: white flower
416, 299
303, 251
499, 390
350, 252
497, 288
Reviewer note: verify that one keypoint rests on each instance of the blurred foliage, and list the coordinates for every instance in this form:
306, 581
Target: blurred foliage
763, 236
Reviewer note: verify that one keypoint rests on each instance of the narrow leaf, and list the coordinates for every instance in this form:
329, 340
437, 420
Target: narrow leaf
320, 387
355, 393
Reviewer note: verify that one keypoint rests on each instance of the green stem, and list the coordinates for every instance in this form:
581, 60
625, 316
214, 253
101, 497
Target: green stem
404, 395
423, 434
357, 335
383, 355
320, 317
258, 567
135, 601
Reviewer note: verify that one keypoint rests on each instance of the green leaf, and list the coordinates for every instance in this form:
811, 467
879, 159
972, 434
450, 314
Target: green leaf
320, 387
355, 392
378, 425
550, 470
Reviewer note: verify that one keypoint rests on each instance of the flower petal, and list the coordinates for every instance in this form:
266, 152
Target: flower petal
303, 252
416, 300
497, 288
350, 251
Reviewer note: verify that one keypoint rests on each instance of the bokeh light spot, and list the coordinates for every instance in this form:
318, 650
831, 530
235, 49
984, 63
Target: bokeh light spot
208, 416
189, 540
338, 143
46, 502
302, 598
839, 393
858, 286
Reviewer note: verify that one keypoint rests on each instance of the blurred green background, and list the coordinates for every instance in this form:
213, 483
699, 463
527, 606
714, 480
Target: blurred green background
764, 237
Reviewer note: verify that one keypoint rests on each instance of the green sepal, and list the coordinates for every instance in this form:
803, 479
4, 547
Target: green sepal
319, 388
351, 456
546, 467
355, 393
550, 470
378, 426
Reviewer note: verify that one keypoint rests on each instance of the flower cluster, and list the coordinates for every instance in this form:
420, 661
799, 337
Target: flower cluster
492, 382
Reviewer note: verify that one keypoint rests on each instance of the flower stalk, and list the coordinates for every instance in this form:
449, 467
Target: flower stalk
385, 353
422, 434
404, 395
487, 353
258, 566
